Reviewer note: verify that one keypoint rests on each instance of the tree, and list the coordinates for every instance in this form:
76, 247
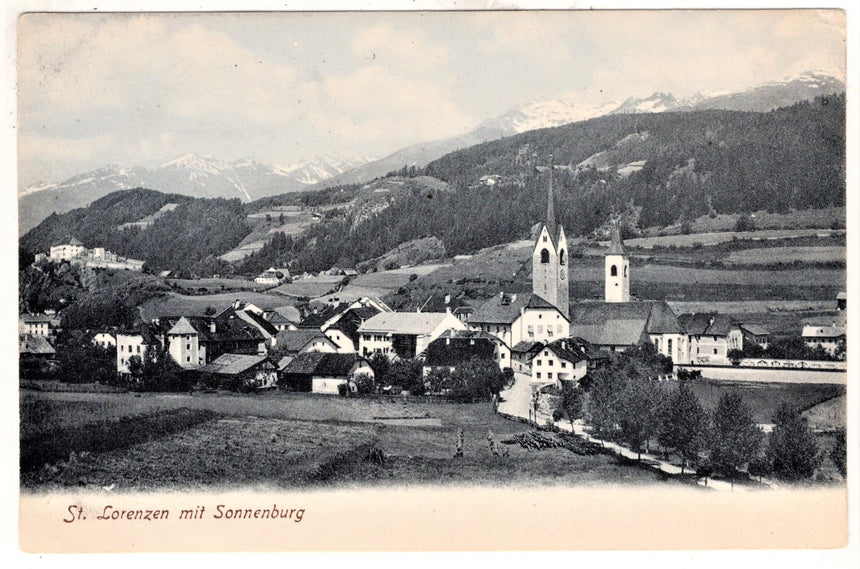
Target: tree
839, 451
571, 400
604, 402
735, 436
683, 425
637, 412
407, 375
477, 379
381, 366
792, 450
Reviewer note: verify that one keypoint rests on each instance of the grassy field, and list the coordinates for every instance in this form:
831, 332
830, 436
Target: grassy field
312, 287
300, 440
787, 255
217, 285
764, 398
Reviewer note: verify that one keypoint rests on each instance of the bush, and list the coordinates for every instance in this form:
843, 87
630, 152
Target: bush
792, 449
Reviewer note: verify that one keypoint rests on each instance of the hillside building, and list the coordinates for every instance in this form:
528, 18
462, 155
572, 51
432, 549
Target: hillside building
321, 372
826, 332
38, 325
295, 342
559, 361
456, 347
74, 252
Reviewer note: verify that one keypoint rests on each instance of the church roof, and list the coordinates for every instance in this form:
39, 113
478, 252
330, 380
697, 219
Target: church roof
707, 324
622, 323
616, 245
182, 326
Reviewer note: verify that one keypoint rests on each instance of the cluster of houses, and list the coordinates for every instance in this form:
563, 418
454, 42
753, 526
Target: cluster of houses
76, 253
537, 333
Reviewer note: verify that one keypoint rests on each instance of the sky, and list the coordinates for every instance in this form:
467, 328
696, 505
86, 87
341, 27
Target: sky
142, 89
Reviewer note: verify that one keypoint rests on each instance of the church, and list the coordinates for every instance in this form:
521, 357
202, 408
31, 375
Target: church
523, 324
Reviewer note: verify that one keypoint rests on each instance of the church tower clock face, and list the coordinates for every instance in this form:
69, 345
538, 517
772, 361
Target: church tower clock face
561, 274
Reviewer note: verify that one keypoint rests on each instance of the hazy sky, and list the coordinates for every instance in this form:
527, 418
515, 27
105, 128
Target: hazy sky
135, 89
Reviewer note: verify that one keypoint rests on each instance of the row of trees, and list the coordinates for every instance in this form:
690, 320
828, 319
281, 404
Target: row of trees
475, 380
789, 348
626, 405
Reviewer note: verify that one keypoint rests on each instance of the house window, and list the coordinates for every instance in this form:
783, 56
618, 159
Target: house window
625, 271
669, 345
544, 254
138, 349
549, 375
187, 346
715, 351
549, 362
537, 375
187, 358
613, 271
561, 257
538, 362
540, 330
563, 365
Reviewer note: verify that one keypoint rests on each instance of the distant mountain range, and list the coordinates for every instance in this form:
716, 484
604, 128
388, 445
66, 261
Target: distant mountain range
189, 174
249, 180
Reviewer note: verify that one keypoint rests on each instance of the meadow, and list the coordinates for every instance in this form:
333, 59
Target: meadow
281, 440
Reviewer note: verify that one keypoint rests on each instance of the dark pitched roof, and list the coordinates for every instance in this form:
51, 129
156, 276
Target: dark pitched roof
565, 349
262, 322
35, 344
317, 319
451, 349
505, 308
616, 245
295, 340
656, 315
436, 303
526, 346
32, 318
706, 324
320, 363
232, 364
755, 329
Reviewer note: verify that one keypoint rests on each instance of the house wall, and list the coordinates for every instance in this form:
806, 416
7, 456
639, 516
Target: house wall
37, 328
65, 252
126, 347
327, 385
104, 340
185, 350
709, 349
345, 343
540, 325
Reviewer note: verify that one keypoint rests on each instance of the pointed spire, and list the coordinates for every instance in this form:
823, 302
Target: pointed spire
550, 206
616, 246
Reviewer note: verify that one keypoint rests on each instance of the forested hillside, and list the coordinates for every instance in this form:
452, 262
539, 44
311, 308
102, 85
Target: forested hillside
656, 170
190, 237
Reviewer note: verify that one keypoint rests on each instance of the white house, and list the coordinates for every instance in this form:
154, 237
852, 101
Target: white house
131, 344
827, 332
183, 344
105, 340
35, 324
66, 251
517, 318
557, 362
404, 334
711, 337
321, 372
273, 276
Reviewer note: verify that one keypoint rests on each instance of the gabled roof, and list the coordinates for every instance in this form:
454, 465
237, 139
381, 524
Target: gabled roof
182, 326
232, 364
35, 318
145, 331
35, 344
322, 364
506, 308
452, 349
276, 318
436, 303
566, 350
755, 329
657, 316
317, 319
352, 319
413, 323
707, 324
617, 332
295, 340
616, 245
526, 346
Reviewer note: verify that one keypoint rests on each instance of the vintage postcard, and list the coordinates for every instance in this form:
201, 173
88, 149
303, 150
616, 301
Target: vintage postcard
433, 280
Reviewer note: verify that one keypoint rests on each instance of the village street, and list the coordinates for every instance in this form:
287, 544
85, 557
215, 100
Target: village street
517, 402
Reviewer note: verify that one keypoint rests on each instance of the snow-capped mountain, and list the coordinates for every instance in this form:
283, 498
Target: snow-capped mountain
544, 113
775, 94
319, 168
189, 174
656, 103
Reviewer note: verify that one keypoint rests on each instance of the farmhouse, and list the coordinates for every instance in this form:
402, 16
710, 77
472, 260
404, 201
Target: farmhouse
244, 369
322, 372
754, 334
404, 334
284, 318
826, 332
273, 276
344, 329
616, 326
444, 303
105, 339
711, 336
559, 361
456, 347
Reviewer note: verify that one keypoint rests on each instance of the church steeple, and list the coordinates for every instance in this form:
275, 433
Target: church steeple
549, 258
550, 205
617, 275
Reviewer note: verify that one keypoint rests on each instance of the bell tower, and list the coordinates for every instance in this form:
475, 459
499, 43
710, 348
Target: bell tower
617, 276
550, 258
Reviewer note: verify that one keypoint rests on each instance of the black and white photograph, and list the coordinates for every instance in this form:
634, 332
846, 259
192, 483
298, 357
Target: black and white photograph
298, 254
